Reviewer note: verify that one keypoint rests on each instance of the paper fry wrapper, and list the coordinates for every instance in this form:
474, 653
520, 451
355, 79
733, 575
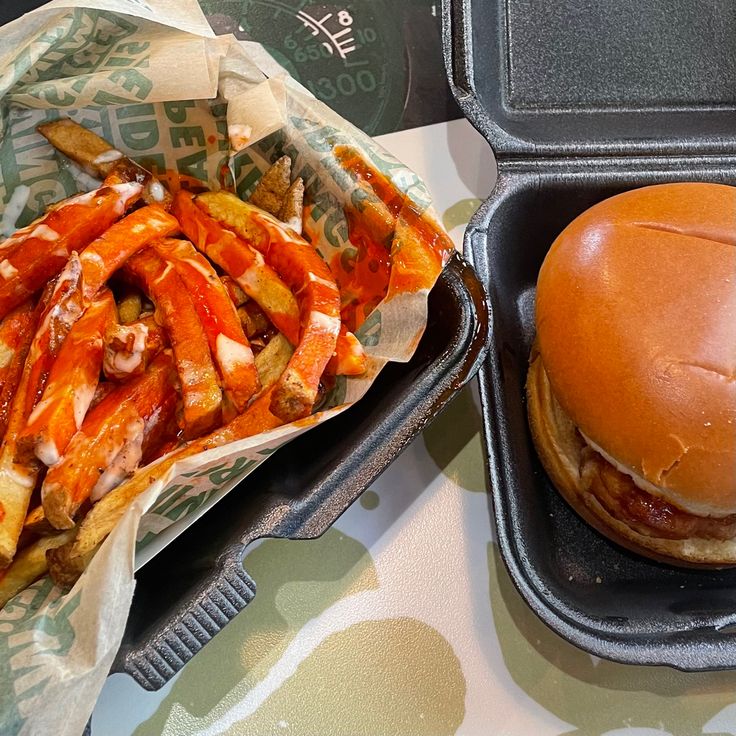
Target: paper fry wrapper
151, 78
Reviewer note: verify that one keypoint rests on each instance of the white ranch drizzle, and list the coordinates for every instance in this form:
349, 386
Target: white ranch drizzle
232, 354
107, 157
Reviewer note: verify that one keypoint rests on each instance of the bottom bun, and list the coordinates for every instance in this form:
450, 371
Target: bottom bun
564, 454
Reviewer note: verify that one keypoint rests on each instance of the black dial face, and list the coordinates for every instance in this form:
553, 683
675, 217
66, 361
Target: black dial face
376, 62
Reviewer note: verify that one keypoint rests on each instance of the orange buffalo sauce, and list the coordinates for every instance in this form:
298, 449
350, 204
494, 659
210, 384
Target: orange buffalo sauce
363, 280
398, 248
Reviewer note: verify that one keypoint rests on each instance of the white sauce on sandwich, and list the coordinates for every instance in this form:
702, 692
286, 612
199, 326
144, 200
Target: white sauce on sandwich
666, 494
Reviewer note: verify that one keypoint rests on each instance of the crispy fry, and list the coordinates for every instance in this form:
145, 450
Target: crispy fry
130, 348
271, 190
29, 565
300, 266
94, 154
130, 307
246, 265
98, 158
67, 563
109, 444
237, 296
292, 210
102, 257
273, 359
66, 228
200, 390
37, 524
16, 334
228, 344
254, 320
71, 384
350, 358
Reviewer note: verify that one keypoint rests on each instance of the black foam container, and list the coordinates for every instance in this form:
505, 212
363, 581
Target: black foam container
195, 585
581, 101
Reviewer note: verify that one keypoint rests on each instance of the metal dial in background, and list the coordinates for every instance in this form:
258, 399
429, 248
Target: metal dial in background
376, 62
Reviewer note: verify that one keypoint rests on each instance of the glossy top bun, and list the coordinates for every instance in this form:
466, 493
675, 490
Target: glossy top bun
636, 325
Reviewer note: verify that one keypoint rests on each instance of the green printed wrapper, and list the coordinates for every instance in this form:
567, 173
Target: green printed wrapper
150, 77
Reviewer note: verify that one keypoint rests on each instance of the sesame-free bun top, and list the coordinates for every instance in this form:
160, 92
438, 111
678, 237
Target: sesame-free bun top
636, 327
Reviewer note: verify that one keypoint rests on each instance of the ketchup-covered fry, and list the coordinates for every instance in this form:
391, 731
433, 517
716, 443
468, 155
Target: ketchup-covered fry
17, 480
418, 248
128, 349
102, 257
272, 187
67, 563
29, 565
16, 334
228, 344
61, 311
69, 227
244, 264
115, 427
300, 266
71, 384
200, 390
37, 524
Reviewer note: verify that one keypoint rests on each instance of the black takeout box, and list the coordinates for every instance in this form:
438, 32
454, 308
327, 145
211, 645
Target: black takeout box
581, 101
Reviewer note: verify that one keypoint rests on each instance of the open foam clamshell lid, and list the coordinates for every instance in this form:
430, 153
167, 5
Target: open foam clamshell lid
566, 77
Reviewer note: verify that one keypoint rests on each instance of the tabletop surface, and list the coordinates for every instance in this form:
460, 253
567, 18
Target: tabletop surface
401, 619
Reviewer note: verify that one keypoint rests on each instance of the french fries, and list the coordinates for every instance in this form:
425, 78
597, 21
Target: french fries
200, 390
29, 565
108, 394
272, 187
129, 348
108, 445
71, 385
240, 261
69, 227
94, 154
61, 310
17, 480
68, 561
105, 255
99, 159
299, 265
229, 346
16, 333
